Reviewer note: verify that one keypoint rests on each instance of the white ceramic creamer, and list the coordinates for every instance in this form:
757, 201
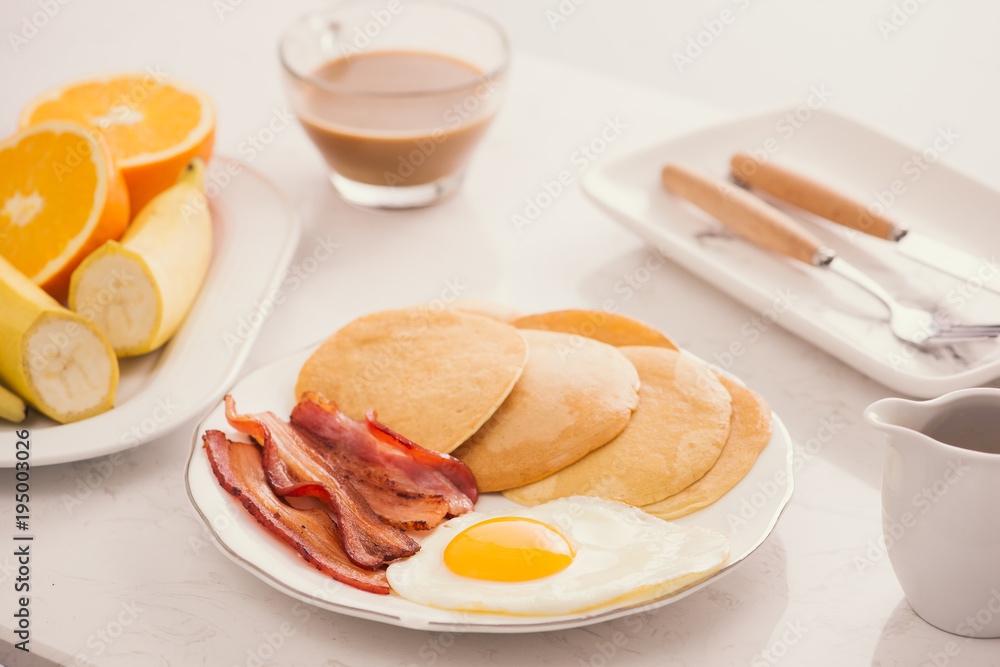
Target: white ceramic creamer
941, 506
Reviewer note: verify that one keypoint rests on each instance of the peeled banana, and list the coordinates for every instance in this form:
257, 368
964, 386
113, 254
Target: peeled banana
139, 290
52, 358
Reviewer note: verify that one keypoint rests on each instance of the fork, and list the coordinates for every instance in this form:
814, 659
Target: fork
762, 224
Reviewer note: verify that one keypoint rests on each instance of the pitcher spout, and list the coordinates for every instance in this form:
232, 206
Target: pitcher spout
967, 418
898, 414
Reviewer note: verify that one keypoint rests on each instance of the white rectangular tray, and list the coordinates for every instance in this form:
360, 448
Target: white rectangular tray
822, 308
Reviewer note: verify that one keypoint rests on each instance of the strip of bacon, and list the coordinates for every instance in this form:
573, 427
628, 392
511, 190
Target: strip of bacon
311, 532
381, 460
294, 467
403, 510
453, 469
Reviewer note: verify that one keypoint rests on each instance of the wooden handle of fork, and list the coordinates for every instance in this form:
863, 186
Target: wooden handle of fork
810, 195
747, 215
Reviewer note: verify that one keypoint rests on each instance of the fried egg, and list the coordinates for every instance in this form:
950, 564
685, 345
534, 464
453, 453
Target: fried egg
563, 557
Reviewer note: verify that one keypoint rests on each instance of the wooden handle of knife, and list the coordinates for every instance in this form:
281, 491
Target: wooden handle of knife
747, 215
810, 195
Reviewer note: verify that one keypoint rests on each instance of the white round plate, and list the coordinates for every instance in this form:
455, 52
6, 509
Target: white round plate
747, 514
255, 233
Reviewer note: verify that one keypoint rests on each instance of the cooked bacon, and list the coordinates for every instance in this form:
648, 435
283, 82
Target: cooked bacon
311, 532
294, 467
407, 485
454, 470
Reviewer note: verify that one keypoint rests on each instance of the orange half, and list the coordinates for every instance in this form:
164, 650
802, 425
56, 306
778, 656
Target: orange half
60, 198
154, 124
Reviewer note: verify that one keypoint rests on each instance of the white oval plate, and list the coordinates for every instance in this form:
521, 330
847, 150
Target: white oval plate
255, 234
824, 309
747, 514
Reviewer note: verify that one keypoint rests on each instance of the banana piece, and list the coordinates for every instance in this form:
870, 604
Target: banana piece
52, 358
138, 291
12, 408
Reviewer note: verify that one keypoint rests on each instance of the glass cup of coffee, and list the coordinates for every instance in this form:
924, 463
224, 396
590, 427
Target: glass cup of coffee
396, 94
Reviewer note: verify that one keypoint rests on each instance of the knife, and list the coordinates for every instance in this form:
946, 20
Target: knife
809, 195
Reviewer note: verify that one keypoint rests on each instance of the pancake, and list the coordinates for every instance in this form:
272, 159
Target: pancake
749, 433
674, 437
574, 395
610, 328
434, 376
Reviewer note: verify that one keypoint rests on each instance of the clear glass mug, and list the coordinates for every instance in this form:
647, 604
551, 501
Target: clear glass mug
395, 94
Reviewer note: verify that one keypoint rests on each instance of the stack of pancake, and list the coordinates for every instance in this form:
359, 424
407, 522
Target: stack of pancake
572, 402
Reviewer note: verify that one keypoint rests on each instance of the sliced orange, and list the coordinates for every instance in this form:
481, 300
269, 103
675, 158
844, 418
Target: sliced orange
154, 124
60, 198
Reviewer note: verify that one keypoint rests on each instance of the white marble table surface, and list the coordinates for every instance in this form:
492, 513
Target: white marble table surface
131, 560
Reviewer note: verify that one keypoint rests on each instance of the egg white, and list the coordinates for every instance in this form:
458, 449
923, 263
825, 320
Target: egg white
623, 557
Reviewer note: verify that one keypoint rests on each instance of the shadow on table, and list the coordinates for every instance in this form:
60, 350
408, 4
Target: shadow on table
909, 641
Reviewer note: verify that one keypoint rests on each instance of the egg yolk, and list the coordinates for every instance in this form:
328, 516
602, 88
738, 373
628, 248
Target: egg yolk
508, 549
